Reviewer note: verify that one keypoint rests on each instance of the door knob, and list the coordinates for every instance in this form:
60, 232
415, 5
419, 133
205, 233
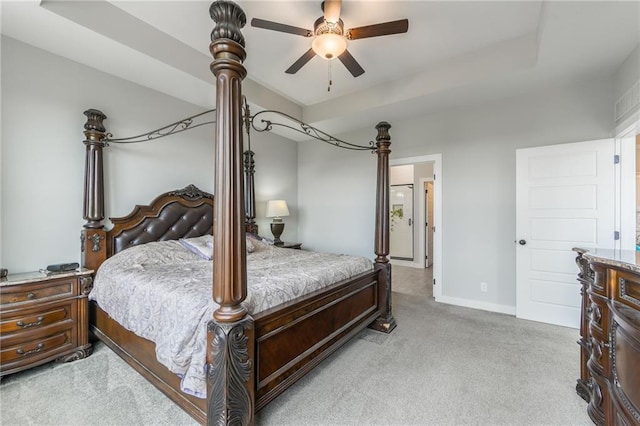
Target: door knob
522, 242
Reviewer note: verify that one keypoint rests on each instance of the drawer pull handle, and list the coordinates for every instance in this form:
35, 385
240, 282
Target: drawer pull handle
31, 296
30, 324
32, 351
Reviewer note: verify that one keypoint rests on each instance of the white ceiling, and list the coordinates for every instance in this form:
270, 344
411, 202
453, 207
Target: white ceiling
455, 53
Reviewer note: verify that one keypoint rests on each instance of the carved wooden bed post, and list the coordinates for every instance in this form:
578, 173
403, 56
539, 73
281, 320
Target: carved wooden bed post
230, 336
94, 247
249, 173
385, 322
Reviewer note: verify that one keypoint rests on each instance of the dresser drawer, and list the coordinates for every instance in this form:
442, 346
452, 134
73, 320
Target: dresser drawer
36, 348
628, 289
38, 292
35, 318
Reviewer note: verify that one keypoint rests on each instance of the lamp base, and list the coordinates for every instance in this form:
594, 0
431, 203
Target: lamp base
276, 230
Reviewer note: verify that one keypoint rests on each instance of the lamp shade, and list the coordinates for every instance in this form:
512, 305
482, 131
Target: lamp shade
329, 45
277, 208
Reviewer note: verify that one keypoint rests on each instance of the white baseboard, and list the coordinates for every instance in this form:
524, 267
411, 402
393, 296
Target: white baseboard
406, 263
476, 304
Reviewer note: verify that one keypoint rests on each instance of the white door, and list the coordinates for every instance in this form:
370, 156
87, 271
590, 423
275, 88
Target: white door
401, 222
564, 199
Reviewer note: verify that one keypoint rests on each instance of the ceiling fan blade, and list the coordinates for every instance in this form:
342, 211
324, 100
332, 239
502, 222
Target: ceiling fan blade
301, 62
376, 30
331, 9
283, 28
352, 65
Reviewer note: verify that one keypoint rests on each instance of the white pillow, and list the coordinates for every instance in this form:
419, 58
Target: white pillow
202, 246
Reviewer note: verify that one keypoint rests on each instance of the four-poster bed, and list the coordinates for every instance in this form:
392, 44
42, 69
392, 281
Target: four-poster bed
250, 358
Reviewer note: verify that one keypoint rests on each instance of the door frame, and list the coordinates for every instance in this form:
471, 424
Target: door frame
625, 146
422, 216
438, 253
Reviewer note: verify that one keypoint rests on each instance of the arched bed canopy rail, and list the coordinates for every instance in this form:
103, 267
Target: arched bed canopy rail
266, 125
263, 121
191, 122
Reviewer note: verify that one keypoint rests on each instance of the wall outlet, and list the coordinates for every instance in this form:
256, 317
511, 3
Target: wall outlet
483, 287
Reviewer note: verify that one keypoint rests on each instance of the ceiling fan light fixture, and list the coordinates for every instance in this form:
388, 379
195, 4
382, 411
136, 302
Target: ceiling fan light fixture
329, 45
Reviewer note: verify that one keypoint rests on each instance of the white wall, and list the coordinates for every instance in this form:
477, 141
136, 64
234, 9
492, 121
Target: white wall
337, 198
43, 98
276, 179
627, 74
401, 175
478, 143
625, 77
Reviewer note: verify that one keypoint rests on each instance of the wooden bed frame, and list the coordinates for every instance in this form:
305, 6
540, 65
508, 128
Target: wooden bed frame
250, 359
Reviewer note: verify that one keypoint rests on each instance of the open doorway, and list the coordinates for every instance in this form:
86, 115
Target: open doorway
417, 178
401, 223
408, 216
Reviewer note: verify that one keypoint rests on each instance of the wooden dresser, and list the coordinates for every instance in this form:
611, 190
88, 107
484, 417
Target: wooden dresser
42, 318
610, 335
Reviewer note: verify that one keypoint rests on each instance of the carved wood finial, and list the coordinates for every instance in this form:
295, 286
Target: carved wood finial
383, 138
94, 120
229, 19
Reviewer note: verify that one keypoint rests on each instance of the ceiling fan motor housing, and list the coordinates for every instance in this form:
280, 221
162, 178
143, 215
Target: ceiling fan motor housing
323, 27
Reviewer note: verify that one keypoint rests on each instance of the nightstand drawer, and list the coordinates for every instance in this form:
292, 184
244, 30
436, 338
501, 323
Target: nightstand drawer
43, 318
41, 347
36, 317
35, 293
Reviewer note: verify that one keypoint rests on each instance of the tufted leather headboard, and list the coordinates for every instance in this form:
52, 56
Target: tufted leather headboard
183, 213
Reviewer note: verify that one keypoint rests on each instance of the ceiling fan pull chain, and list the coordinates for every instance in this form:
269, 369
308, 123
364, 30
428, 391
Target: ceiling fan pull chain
330, 82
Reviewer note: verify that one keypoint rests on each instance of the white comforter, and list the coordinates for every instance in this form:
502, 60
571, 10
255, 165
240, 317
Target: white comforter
162, 292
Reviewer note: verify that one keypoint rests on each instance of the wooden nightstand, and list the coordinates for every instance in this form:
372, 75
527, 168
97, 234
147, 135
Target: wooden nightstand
42, 318
289, 245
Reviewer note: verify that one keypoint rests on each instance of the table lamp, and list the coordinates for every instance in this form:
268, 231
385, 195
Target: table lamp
277, 209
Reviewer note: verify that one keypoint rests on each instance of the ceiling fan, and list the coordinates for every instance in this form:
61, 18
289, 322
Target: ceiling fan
330, 37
